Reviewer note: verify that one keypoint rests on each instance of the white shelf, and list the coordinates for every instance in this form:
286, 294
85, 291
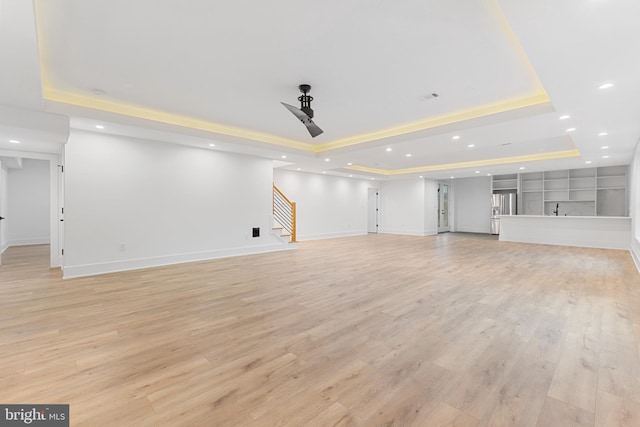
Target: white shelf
586, 191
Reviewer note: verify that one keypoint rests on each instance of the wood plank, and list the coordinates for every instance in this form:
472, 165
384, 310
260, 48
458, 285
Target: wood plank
613, 411
557, 413
576, 376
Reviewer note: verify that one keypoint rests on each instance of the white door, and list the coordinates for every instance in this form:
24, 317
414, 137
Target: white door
443, 207
372, 210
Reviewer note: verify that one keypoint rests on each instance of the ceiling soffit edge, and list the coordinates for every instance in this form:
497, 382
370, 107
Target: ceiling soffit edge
470, 164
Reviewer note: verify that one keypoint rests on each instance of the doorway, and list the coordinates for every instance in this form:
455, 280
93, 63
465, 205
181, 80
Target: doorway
372, 210
55, 183
443, 207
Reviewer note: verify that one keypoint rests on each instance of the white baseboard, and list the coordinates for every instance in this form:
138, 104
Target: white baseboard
29, 242
471, 230
71, 271
409, 232
331, 235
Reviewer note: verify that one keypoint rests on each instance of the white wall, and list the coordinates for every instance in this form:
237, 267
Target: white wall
409, 206
634, 205
326, 206
330, 206
133, 203
402, 207
431, 207
472, 204
4, 206
28, 201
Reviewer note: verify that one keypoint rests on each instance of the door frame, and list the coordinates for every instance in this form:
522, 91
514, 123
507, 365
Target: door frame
448, 227
373, 193
56, 227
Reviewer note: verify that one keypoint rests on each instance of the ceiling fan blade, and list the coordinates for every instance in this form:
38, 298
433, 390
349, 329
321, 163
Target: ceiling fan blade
313, 129
301, 115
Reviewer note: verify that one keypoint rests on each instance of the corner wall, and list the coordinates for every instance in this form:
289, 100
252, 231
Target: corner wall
408, 207
133, 203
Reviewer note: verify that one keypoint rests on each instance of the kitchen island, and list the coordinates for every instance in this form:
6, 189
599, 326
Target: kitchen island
608, 232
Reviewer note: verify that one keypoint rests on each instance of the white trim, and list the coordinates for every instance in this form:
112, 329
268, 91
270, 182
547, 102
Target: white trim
136, 264
29, 242
331, 235
402, 232
470, 230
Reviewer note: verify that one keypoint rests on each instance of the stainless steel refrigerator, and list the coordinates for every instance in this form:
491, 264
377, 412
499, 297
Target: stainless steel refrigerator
503, 203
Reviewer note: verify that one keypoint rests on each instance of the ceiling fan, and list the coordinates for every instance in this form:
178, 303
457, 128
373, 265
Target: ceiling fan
305, 113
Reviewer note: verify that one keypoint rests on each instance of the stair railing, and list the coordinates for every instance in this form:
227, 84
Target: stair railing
284, 213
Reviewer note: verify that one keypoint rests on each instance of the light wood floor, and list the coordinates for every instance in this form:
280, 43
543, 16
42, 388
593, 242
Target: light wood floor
372, 330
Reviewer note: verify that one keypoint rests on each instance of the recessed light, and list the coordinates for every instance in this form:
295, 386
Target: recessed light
408, 155
451, 177
372, 178
283, 156
349, 164
571, 129
588, 162
488, 174
99, 127
602, 134
477, 171
455, 137
471, 145
605, 85
350, 176
299, 169
605, 157
420, 176
212, 145
565, 117
327, 159
521, 167
389, 149
324, 171
604, 147
14, 141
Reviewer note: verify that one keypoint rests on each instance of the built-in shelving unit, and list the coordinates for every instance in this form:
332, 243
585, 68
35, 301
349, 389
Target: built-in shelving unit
505, 182
531, 194
575, 192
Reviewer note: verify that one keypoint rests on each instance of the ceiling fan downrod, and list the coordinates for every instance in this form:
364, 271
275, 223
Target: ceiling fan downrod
305, 100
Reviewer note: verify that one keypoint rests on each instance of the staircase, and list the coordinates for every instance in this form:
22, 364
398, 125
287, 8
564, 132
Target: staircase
284, 215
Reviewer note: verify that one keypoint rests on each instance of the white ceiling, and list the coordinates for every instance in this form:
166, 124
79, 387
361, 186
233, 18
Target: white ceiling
205, 72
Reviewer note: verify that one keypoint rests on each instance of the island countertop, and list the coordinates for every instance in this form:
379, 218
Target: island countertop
566, 216
608, 232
